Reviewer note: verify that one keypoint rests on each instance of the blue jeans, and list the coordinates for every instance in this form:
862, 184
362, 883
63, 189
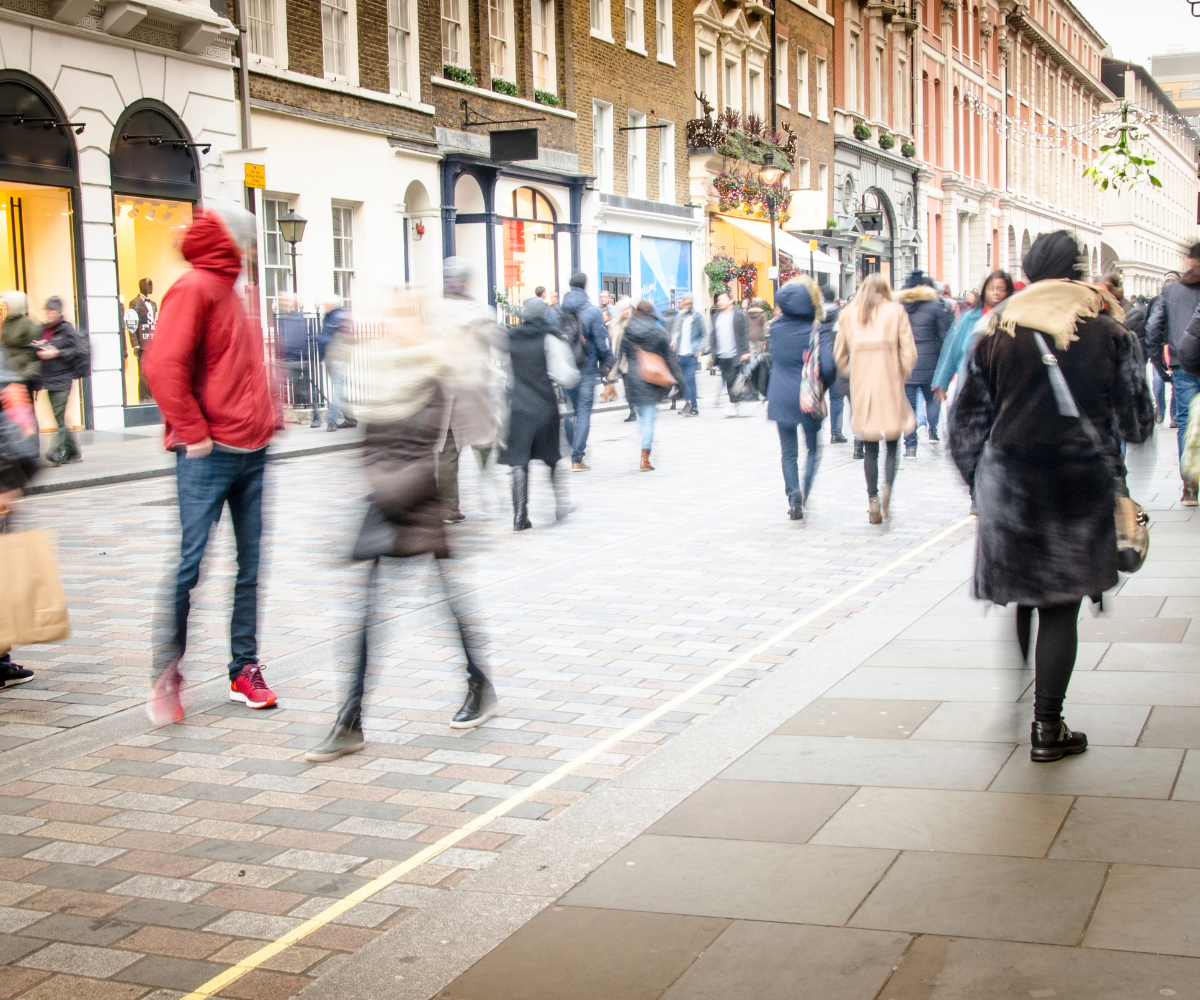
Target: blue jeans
1184, 388
337, 396
688, 363
1160, 393
582, 397
932, 407
837, 403
646, 414
789, 450
205, 485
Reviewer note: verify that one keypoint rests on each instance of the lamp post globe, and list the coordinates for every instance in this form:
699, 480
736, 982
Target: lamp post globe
769, 174
291, 230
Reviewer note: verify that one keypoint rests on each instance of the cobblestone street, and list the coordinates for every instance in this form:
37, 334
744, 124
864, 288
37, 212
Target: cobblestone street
142, 863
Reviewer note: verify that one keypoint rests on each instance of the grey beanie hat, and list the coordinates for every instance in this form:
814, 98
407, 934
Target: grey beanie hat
456, 270
54, 303
533, 308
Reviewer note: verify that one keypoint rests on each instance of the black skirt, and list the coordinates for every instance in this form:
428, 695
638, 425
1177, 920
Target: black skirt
530, 438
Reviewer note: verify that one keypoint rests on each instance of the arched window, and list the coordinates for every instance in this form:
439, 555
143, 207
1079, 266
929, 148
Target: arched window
530, 254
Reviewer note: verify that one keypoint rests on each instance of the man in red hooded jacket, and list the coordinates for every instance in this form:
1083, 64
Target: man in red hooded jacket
206, 370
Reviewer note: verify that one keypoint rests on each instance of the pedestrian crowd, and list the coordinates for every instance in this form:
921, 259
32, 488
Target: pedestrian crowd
1044, 385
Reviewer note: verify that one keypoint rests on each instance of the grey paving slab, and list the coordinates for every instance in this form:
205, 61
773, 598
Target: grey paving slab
880, 719
901, 763
1133, 772
1150, 656
917, 819
79, 960
79, 930
780, 811
766, 961
1149, 909
1127, 687
965, 895
736, 879
1131, 831
933, 684
1170, 726
999, 722
1187, 786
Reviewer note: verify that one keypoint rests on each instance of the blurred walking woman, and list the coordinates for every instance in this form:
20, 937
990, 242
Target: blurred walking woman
653, 369
875, 344
1046, 478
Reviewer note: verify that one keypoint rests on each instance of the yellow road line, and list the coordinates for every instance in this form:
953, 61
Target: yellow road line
363, 893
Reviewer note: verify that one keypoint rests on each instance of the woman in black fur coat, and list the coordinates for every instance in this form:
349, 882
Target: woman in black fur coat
1046, 536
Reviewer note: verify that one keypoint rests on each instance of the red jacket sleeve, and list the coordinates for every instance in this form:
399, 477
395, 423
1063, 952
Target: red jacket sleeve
172, 358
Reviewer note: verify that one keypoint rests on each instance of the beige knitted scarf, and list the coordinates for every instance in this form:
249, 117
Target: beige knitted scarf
1054, 307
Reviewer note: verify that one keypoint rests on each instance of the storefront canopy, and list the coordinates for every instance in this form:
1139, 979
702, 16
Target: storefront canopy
786, 243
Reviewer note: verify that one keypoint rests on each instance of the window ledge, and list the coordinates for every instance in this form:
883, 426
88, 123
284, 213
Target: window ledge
808, 114
784, 104
492, 95
291, 76
823, 118
601, 38
636, 51
665, 61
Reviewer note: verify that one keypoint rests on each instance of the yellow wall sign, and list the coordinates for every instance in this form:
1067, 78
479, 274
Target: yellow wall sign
256, 175
812, 244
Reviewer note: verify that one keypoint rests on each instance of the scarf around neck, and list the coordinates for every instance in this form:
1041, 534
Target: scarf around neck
1054, 307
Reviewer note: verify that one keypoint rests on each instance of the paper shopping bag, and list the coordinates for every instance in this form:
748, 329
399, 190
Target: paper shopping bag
33, 607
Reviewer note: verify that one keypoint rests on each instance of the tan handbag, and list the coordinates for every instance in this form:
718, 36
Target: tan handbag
652, 368
33, 607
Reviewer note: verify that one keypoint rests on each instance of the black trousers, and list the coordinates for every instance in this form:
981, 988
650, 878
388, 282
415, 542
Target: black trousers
871, 464
729, 369
1054, 656
352, 709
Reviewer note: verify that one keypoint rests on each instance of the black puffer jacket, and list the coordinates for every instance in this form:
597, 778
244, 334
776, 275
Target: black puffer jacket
58, 373
1187, 355
643, 332
930, 319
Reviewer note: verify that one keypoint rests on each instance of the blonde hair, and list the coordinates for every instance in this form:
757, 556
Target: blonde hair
871, 293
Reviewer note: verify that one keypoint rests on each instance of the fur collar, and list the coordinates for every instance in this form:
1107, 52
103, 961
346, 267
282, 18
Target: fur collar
920, 293
1054, 307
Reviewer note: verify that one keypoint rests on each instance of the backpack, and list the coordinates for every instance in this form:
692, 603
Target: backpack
571, 330
83, 355
812, 389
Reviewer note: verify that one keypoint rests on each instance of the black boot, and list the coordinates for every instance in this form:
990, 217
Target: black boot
347, 737
858, 448
796, 506
1053, 741
520, 492
480, 704
562, 502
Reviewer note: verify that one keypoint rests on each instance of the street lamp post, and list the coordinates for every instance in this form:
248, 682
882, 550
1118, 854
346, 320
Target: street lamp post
769, 175
291, 228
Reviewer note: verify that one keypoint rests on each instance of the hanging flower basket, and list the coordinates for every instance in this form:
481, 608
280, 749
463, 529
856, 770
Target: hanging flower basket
721, 271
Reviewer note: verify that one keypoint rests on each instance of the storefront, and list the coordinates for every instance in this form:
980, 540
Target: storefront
155, 184
530, 258
666, 271
615, 264
39, 197
748, 241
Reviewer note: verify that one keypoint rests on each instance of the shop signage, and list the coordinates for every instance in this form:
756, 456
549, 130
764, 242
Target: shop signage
256, 175
514, 144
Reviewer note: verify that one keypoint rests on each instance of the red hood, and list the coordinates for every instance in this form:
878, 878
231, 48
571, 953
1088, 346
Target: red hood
209, 246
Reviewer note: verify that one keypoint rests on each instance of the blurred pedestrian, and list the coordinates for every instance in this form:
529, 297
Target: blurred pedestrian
621, 311
961, 340
208, 375
333, 343
1044, 460
469, 333
606, 302
930, 319
651, 373
64, 355
794, 334
688, 333
875, 345
533, 412
729, 341
583, 322
839, 388
19, 334
1164, 330
291, 327
758, 318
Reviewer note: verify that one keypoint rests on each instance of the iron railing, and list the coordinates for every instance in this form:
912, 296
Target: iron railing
305, 383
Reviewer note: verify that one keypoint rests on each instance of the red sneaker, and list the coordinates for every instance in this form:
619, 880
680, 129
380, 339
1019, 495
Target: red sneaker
164, 705
250, 688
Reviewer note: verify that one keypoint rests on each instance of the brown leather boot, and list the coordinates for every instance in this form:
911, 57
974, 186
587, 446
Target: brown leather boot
646, 466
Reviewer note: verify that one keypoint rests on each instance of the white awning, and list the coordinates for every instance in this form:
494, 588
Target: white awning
786, 243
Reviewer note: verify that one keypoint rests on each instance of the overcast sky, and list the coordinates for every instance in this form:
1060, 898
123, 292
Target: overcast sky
1136, 31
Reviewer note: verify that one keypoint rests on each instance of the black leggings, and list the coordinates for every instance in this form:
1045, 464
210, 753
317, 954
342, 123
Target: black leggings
1054, 658
871, 464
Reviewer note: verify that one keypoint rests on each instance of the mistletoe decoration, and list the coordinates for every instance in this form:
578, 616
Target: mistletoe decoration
1119, 166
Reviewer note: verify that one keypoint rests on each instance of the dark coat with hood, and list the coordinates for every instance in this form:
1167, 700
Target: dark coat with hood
791, 334
642, 331
930, 319
1045, 496
1171, 314
595, 332
19, 334
1187, 355
59, 372
205, 365
533, 403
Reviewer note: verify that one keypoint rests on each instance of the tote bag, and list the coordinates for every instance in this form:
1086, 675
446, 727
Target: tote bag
33, 607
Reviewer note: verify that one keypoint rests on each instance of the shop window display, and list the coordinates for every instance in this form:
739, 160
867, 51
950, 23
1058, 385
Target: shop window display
38, 258
149, 235
530, 257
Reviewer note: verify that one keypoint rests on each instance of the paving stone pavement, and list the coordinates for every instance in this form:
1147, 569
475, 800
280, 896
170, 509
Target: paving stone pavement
136, 862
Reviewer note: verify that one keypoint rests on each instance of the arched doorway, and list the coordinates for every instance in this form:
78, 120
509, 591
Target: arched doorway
876, 219
39, 211
155, 184
530, 254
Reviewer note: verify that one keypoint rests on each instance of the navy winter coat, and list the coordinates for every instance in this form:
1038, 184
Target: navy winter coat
790, 336
930, 319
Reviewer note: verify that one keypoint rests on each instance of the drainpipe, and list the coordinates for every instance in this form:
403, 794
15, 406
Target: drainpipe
774, 75
239, 20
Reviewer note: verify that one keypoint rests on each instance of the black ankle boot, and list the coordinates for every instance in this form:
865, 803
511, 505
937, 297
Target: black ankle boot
563, 507
1054, 741
796, 506
479, 706
520, 494
858, 449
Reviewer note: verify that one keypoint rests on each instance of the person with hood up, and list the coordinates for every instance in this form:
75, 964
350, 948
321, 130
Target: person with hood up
875, 345
960, 342
930, 318
644, 340
582, 319
801, 308
470, 333
61, 348
206, 369
19, 334
404, 417
1172, 312
533, 411
1047, 482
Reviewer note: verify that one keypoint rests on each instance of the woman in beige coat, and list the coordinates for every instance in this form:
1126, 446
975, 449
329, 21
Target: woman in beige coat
875, 344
